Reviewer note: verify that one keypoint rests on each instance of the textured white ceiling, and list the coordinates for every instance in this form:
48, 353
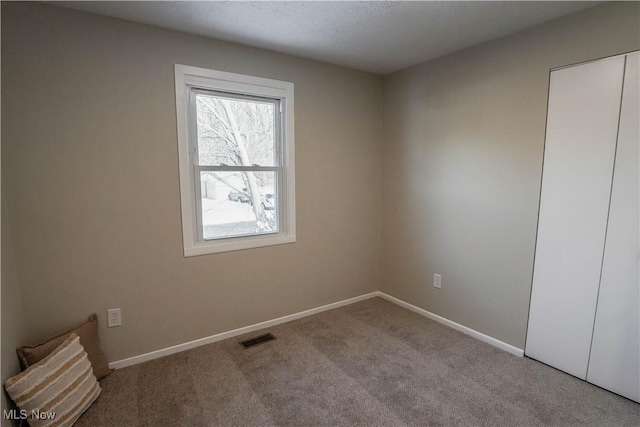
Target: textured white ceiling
376, 36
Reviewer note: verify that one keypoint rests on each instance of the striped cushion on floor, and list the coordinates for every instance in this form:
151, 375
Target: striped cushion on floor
58, 389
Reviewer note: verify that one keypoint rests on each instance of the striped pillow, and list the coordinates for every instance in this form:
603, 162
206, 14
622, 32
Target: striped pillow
58, 389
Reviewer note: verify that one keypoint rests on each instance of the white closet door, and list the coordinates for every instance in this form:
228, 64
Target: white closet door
582, 124
615, 350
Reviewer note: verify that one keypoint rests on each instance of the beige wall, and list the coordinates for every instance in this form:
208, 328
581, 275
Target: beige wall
13, 330
91, 173
89, 159
462, 162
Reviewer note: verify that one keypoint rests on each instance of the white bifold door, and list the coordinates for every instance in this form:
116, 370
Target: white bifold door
584, 314
614, 363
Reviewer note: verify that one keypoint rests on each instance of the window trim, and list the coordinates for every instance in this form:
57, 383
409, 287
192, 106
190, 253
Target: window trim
187, 77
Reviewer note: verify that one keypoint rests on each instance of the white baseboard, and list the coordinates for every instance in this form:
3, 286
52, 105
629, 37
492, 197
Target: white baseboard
230, 334
241, 331
468, 331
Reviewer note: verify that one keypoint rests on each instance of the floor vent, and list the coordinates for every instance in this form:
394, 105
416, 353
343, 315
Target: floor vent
257, 340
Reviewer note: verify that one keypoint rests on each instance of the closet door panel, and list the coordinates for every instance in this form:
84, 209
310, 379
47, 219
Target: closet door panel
582, 123
615, 351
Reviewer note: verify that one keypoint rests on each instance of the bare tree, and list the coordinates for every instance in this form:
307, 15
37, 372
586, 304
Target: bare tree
238, 133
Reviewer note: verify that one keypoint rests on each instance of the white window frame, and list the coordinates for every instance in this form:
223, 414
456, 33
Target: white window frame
188, 77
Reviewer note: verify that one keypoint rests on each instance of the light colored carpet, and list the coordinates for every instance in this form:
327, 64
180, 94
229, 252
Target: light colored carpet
370, 364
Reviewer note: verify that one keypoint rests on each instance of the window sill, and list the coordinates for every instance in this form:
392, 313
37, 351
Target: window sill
237, 244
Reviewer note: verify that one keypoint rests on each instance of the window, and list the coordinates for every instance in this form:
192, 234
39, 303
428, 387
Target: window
236, 160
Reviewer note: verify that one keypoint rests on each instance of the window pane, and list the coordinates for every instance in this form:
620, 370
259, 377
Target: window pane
228, 208
235, 132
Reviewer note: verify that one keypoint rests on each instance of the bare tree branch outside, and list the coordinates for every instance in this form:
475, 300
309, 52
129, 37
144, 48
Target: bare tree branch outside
237, 132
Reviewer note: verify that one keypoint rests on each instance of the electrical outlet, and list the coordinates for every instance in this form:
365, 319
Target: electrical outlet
437, 281
114, 317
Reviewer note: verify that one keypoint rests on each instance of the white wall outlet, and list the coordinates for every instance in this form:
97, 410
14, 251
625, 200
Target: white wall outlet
437, 281
114, 317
